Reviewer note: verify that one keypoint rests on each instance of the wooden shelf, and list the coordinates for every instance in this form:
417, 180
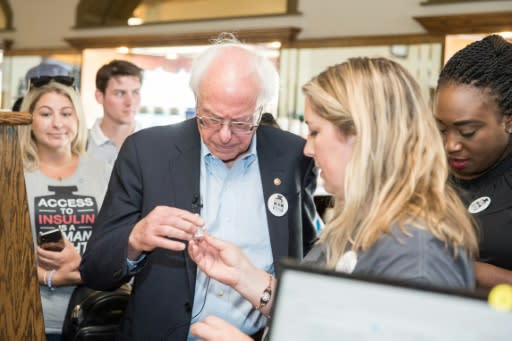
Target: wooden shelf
467, 23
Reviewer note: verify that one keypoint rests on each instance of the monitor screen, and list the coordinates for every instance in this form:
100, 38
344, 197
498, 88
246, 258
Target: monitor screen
313, 304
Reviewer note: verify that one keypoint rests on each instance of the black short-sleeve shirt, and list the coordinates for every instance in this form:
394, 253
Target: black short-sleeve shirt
489, 199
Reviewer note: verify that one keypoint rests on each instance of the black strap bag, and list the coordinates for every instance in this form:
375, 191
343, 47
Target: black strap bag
94, 315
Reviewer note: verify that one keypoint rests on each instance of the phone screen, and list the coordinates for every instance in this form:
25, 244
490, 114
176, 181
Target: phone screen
51, 240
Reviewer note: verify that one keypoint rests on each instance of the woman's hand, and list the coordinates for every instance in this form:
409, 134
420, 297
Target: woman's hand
213, 328
68, 257
66, 263
219, 259
227, 264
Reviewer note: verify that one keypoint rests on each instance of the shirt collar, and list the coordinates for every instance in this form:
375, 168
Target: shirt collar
97, 134
99, 137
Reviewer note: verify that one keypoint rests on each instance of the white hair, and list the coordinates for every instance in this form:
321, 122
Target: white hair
260, 65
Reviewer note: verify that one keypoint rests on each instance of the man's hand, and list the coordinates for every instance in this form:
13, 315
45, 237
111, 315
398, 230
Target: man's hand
165, 227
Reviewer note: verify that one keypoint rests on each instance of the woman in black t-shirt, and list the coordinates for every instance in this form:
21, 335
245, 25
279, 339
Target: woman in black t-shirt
473, 107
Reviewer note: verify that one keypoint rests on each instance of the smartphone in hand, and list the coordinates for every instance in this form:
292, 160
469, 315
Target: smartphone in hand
51, 240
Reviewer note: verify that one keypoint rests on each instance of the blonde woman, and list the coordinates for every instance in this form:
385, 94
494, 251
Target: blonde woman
65, 188
380, 154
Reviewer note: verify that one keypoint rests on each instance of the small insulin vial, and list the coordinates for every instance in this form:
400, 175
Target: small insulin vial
200, 233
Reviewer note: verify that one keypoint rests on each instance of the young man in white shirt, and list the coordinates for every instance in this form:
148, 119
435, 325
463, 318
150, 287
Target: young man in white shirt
118, 86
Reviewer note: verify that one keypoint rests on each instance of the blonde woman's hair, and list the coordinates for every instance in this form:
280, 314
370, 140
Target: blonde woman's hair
28, 143
398, 171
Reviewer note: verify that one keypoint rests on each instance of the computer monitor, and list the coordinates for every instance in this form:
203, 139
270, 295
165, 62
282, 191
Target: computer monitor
316, 304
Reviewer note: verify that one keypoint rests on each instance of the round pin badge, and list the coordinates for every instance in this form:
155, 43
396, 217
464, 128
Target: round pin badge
347, 262
277, 204
479, 204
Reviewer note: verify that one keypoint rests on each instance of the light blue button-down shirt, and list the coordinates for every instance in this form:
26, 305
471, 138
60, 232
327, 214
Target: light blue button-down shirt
234, 210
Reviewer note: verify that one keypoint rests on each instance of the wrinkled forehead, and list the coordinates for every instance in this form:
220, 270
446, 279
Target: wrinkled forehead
236, 98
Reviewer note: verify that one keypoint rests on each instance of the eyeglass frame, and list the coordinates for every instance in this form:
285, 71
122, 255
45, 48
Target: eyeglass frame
40, 81
222, 122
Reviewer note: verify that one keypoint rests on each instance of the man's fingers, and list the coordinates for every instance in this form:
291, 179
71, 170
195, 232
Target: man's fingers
172, 245
176, 233
165, 227
176, 216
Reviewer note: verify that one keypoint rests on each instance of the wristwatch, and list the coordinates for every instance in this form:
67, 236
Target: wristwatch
266, 295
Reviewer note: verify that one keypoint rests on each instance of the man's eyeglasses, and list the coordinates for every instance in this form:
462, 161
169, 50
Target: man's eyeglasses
236, 127
38, 82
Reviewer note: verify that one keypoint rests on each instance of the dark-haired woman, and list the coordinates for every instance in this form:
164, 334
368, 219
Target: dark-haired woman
473, 107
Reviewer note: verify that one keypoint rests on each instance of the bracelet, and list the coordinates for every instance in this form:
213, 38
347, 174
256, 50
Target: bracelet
266, 294
44, 277
50, 277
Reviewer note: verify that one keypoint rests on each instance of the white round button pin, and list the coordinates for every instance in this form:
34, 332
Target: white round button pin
347, 262
277, 204
479, 204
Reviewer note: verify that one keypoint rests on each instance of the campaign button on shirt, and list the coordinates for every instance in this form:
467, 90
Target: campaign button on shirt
479, 204
277, 204
347, 262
